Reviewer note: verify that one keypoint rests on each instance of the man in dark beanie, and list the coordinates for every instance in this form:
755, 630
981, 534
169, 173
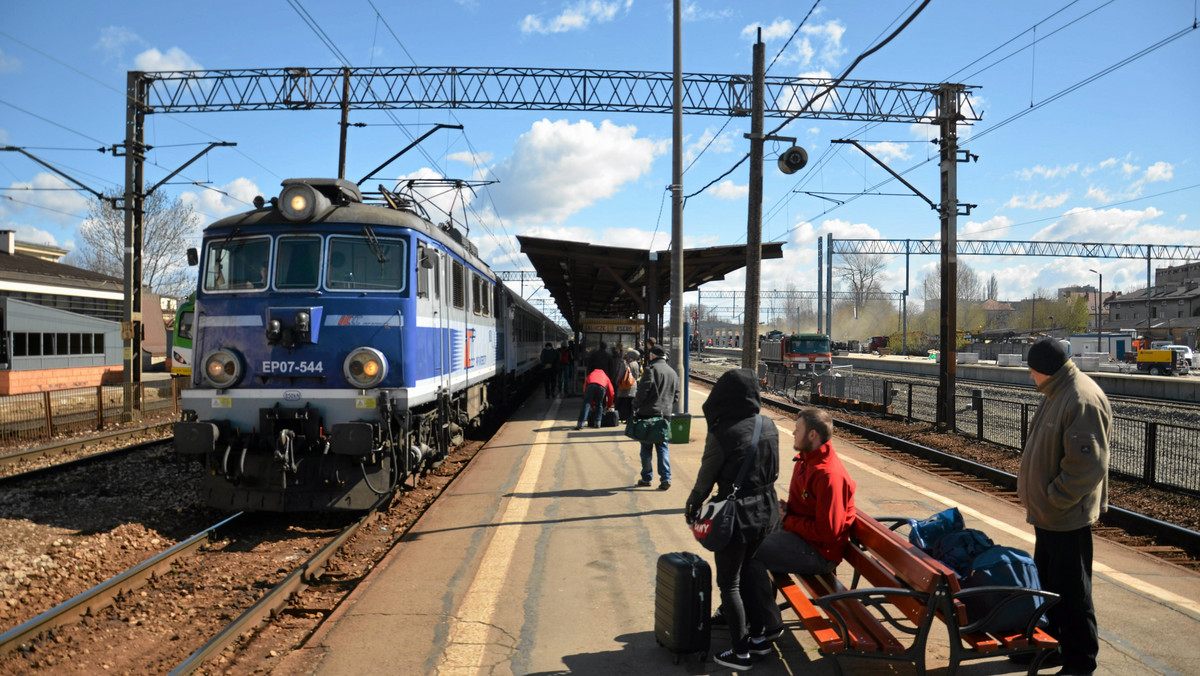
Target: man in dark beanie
1063, 483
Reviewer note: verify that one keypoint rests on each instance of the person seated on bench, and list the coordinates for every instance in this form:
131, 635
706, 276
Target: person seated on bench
747, 594
819, 510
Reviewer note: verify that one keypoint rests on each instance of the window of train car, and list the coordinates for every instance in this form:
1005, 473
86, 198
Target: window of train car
460, 291
297, 262
237, 264
358, 264
486, 296
425, 263
476, 294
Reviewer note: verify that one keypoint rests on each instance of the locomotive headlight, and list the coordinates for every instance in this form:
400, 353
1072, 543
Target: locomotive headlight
365, 367
222, 369
301, 202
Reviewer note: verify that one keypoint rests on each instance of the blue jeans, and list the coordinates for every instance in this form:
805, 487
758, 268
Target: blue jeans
664, 461
593, 398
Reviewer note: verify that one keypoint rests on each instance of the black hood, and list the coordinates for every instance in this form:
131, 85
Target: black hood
736, 396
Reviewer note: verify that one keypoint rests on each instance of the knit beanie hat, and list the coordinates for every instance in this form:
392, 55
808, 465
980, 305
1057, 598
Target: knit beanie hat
1047, 356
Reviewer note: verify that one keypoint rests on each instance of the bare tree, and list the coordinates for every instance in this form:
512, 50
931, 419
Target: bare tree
167, 226
970, 288
861, 272
993, 288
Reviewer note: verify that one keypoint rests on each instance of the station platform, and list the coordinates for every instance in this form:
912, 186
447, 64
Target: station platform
540, 559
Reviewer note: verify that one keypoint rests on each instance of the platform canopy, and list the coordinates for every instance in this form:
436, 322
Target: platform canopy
595, 280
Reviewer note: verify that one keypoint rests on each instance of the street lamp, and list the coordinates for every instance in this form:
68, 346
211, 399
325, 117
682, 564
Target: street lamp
1099, 305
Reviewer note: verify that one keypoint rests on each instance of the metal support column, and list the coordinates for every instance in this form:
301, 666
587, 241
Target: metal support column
829, 285
136, 89
820, 282
948, 118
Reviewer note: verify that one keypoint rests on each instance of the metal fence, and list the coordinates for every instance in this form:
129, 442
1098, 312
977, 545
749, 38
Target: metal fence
1154, 453
40, 416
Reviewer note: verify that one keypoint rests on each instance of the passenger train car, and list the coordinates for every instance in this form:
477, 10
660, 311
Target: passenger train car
342, 347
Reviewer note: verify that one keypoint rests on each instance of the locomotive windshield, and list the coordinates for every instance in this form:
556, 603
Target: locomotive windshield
237, 264
366, 264
808, 345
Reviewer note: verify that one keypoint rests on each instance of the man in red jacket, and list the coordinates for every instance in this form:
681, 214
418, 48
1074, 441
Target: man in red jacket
819, 511
597, 398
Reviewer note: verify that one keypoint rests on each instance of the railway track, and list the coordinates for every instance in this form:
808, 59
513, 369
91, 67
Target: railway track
1158, 538
77, 452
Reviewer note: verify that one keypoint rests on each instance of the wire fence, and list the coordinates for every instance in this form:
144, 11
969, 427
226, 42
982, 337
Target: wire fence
1151, 452
41, 416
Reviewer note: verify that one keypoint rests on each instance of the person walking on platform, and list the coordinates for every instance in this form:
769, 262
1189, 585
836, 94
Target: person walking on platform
597, 398
1063, 483
625, 396
747, 594
657, 394
819, 510
550, 363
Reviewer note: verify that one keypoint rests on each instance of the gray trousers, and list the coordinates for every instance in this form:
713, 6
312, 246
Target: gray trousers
786, 552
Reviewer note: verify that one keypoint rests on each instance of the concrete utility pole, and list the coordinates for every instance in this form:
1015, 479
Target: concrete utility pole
754, 217
678, 340
131, 315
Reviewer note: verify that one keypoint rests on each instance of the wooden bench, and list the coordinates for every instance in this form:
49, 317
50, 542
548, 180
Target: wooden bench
891, 619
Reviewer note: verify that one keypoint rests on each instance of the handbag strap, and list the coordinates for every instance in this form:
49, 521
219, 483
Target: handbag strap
749, 456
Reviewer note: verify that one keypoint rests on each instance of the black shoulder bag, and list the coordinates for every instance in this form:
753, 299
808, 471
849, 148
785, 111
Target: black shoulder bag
718, 518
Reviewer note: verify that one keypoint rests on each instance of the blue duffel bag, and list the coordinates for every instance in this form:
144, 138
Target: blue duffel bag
1002, 566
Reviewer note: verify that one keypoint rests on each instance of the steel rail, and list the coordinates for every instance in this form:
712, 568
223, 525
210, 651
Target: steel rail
77, 444
271, 602
78, 462
103, 594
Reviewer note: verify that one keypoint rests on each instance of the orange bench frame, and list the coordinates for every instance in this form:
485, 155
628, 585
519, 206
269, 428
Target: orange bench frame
910, 588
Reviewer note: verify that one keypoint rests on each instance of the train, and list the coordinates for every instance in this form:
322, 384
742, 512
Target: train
343, 345
181, 337
799, 352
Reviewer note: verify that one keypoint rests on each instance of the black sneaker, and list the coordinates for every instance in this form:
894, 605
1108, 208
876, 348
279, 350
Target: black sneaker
734, 661
643, 483
664, 485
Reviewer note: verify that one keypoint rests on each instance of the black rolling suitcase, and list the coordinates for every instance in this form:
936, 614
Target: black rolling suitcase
683, 604
609, 419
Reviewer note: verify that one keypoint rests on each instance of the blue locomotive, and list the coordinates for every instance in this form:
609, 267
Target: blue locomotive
342, 347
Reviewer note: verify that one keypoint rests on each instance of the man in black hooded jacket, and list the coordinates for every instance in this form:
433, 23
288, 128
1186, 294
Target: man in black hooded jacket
747, 595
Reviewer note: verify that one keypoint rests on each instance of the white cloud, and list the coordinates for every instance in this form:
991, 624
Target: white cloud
830, 36
471, 159
28, 233
779, 29
8, 64
174, 59
1037, 201
1047, 172
576, 16
886, 150
3, 136
728, 190
1105, 197
54, 198
1129, 169
558, 168
1112, 225
708, 144
1159, 171
113, 41
993, 228
692, 11
210, 205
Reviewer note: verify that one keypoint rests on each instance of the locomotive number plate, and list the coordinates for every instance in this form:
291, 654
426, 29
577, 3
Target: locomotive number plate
293, 367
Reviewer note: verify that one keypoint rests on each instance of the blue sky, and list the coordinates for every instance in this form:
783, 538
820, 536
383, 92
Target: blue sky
1110, 160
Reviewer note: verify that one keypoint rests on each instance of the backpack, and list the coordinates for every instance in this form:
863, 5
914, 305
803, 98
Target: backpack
927, 531
626, 381
1008, 567
960, 549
